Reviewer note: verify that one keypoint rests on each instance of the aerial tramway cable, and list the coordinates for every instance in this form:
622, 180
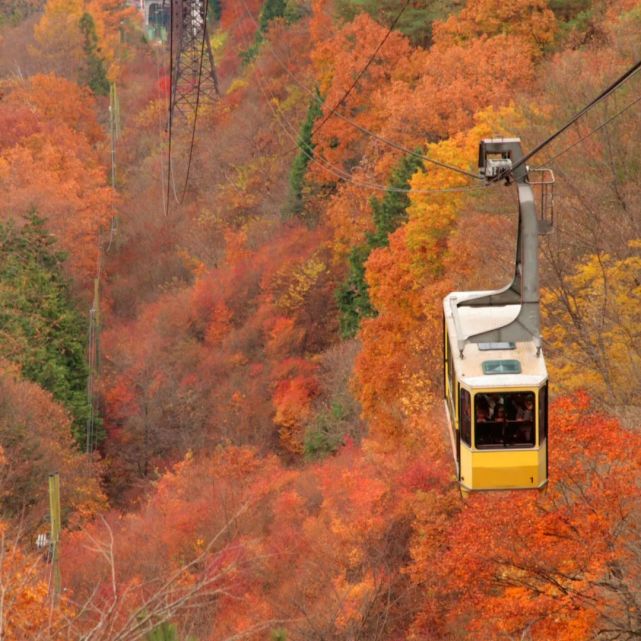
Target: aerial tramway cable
291, 133
361, 73
629, 73
593, 131
354, 124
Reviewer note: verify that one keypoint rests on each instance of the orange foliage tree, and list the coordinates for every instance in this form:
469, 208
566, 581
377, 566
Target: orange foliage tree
55, 169
556, 565
396, 382
27, 611
35, 434
530, 20
296, 387
407, 94
302, 551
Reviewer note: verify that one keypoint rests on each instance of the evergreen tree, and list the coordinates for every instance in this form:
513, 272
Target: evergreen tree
415, 22
42, 331
388, 214
271, 10
95, 74
302, 159
216, 9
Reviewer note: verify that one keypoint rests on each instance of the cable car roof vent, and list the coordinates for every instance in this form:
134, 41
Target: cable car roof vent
501, 367
486, 347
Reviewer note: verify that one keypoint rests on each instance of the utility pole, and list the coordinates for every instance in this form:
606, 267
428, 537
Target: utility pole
114, 130
54, 512
93, 355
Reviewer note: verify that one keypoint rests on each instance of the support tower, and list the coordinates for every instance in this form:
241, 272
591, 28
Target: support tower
194, 78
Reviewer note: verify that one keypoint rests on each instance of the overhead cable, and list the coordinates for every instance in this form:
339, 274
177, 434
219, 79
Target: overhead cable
354, 124
593, 103
290, 132
362, 72
593, 131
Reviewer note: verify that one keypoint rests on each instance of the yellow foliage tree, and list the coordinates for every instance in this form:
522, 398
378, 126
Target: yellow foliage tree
531, 20
593, 327
301, 280
59, 38
407, 281
60, 42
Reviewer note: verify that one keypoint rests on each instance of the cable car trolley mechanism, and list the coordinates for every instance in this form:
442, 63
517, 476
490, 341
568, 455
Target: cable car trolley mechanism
496, 383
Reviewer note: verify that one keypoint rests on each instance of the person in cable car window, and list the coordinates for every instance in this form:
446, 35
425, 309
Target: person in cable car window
482, 410
526, 417
526, 413
491, 406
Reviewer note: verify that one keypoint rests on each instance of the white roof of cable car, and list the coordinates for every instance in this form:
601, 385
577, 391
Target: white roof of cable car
474, 320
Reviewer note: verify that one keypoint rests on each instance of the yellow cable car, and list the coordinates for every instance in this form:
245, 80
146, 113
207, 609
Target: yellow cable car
495, 383
496, 398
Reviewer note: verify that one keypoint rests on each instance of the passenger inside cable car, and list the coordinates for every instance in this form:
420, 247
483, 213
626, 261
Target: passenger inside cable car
504, 419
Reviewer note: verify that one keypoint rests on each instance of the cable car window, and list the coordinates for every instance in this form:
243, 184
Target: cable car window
543, 412
445, 349
451, 393
466, 416
504, 419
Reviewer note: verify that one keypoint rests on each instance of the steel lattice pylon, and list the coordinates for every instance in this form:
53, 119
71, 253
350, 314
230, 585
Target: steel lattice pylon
194, 75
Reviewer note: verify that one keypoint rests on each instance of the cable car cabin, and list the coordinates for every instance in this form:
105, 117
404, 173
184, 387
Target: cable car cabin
496, 399
495, 377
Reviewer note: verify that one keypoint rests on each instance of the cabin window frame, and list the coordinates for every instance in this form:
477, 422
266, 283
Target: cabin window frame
465, 427
450, 381
542, 417
510, 425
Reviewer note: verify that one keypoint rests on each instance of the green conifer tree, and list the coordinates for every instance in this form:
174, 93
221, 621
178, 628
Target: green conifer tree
94, 74
388, 214
271, 10
295, 203
42, 331
216, 9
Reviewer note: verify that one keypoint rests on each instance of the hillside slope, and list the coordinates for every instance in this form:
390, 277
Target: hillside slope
275, 453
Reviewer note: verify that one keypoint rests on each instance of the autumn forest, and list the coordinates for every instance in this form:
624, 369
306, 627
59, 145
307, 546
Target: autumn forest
229, 345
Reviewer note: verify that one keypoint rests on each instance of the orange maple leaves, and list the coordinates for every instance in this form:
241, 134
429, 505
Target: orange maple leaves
296, 387
50, 164
552, 564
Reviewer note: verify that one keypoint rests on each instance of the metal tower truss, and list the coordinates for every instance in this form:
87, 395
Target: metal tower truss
194, 79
